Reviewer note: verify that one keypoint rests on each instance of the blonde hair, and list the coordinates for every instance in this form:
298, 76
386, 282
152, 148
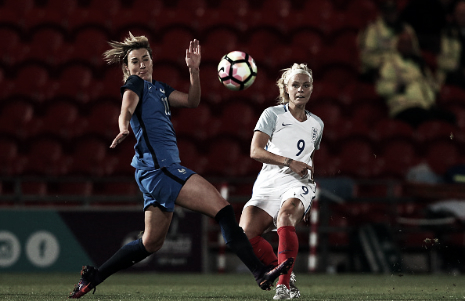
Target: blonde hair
118, 54
283, 97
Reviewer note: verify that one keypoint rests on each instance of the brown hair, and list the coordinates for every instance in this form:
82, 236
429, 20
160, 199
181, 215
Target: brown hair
118, 54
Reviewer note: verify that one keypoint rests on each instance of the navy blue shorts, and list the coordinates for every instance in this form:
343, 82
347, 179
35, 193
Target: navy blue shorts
161, 187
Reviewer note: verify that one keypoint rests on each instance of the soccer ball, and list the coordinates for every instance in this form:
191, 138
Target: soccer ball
237, 70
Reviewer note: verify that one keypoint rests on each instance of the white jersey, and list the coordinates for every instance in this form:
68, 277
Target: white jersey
289, 138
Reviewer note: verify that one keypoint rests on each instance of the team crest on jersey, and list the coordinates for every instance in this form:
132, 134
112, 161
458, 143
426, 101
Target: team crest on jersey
314, 134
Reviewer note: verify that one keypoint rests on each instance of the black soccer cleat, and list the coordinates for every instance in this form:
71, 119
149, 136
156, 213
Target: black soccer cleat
85, 284
267, 279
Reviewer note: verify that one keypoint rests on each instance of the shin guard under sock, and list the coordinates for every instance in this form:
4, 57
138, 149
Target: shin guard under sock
288, 247
264, 251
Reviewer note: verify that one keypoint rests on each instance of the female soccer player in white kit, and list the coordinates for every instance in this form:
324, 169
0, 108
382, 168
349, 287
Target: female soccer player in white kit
285, 139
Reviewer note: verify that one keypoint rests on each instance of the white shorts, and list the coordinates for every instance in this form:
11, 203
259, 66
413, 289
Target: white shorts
271, 201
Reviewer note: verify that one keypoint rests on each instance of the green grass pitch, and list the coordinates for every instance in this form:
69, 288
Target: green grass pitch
161, 286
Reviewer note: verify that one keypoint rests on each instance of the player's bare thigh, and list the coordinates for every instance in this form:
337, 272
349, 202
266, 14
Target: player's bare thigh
199, 195
254, 221
291, 213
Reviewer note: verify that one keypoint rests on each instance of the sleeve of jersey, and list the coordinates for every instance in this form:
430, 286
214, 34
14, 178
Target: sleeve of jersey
135, 84
168, 89
267, 122
318, 141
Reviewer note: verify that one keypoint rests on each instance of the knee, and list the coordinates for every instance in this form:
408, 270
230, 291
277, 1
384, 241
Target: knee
285, 218
152, 245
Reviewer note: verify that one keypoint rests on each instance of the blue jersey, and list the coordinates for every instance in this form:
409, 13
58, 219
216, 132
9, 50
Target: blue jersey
156, 145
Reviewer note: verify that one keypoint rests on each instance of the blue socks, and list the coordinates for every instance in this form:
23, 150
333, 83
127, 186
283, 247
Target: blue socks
237, 241
127, 256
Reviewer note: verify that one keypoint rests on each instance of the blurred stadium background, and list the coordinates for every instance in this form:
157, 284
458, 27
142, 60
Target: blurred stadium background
59, 104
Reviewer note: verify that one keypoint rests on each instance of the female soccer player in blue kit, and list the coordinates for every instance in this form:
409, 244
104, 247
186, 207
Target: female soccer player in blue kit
164, 182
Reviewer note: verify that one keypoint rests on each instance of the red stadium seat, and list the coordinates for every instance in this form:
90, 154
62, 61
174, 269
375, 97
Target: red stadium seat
357, 92
196, 123
441, 155
40, 89
19, 7
324, 91
34, 187
210, 82
11, 162
342, 73
109, 9
388, 128
174, 43
76, 83
172, 75
84, 17
319, 13
137, 29
218, 42
103, 120
75, 188
190, 155
332, 117
62, 118
112, 82
459, 112
365, 11
313, 42
225, 158
282, 56
14, 51
46, 157
398, 155
17, 118
451, 94
116, 188
357, 159
326, 164
369, 113
90, 157
93, 55
238, 119
260, 42
48, 45
434, 130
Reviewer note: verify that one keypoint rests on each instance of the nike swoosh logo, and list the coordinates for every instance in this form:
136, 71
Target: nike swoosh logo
221, 69
285, 124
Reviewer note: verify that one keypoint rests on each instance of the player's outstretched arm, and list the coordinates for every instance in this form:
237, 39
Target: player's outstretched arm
192, 98
128, 105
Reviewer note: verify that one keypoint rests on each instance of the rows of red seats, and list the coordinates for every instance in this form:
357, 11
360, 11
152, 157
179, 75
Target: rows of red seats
60, 93
200, 15
355, 156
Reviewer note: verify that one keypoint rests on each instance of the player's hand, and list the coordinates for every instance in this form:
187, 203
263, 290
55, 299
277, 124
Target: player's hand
302, 169
193, 56
306, 218
121, 136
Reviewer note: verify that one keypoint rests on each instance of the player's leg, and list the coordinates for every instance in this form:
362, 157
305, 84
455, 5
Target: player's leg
255, 221
156, 226
290, 214
199, 195
157, 223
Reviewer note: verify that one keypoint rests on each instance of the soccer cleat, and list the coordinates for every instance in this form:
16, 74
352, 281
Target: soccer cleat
266, 281
85, 284
294, 292
282, 292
